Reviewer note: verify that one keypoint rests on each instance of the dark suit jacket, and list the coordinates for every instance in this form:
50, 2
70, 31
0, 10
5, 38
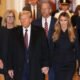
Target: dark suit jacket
28, 6
38, 53
38, 22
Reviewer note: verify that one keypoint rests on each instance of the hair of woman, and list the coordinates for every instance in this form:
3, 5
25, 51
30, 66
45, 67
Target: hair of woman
4, 20
57, 28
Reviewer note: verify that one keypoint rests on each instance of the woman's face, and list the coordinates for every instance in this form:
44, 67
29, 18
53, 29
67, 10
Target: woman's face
63, 22
10, 18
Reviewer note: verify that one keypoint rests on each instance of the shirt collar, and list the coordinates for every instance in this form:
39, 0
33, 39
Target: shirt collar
48, 19
34, 5
28, 29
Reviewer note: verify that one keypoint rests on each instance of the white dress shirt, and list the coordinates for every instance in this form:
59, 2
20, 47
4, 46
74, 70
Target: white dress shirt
28, 32
58, 13
48, 21
34, 8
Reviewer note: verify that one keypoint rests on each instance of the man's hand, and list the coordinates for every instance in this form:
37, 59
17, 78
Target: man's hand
45, 70
1, 64
11, 73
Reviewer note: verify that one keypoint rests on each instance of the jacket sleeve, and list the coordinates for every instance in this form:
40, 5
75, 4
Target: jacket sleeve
45, 50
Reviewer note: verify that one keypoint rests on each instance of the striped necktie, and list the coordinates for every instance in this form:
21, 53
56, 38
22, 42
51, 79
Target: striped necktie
46, 27
26, 38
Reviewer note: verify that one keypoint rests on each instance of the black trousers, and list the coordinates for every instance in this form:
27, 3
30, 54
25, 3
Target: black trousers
64, 72
26, 67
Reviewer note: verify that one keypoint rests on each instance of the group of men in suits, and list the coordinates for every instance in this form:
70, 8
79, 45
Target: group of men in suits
28, 54
30, 44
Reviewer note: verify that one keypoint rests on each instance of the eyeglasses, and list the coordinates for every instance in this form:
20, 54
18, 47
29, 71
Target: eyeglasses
10, 16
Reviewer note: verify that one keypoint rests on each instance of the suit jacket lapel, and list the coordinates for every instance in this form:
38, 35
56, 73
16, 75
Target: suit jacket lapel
33, 41
32, 38
21, 38
51, 28
40, 20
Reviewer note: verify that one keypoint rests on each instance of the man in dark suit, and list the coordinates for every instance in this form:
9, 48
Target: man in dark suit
46, 18
47, 23
34, 5
28, 53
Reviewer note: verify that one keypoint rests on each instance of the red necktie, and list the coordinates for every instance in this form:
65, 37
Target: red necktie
46, 27
26, 38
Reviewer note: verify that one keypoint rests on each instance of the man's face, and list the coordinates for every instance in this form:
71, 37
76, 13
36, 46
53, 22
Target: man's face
25, 20
64, 7
45, 10
33, 1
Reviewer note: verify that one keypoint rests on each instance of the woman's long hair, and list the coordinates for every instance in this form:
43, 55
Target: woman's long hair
57, 28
